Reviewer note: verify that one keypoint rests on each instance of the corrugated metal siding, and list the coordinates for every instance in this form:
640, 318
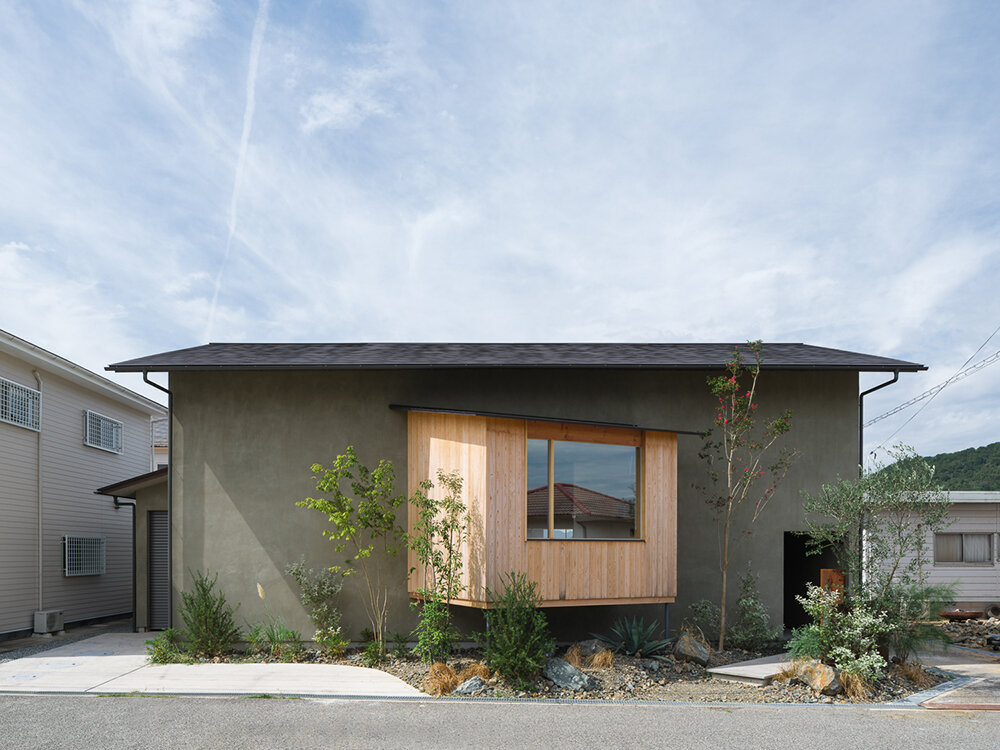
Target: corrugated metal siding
159, 570
71, 471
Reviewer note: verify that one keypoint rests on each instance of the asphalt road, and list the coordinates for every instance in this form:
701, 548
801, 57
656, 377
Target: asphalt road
245, 723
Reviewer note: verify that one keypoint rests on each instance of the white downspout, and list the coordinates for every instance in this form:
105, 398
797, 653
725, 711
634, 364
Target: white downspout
38, 483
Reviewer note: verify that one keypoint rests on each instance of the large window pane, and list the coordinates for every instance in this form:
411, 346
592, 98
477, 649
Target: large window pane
593, 490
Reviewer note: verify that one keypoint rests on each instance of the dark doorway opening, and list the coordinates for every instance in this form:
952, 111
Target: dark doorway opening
801, 569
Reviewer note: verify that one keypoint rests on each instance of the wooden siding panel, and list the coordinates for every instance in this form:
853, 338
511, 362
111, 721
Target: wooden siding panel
490, 453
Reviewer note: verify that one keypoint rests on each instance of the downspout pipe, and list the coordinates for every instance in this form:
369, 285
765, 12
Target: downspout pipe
861, 457
131, 504
861, 418
38, 487
170, 497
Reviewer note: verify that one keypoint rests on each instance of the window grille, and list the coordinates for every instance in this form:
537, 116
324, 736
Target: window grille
19, 404
83, 555
103, 432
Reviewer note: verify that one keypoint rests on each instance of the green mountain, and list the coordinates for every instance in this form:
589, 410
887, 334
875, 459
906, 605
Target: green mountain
971, 469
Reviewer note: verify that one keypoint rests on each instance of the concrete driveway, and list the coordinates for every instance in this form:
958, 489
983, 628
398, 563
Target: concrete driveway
116, 663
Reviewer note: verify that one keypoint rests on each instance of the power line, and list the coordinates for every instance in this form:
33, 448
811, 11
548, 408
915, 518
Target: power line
943, 385
992, 359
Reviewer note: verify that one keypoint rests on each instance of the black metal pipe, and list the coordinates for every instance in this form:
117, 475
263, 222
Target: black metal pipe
135, 617
170, 496
861, 418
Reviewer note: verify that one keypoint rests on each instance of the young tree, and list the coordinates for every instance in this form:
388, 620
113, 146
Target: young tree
740, 482
441, 528
364, 523
878, 526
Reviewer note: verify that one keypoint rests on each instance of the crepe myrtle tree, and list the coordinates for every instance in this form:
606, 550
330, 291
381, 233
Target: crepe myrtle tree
740, 481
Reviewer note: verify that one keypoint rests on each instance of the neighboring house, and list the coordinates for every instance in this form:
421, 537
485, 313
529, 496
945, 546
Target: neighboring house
158, 432
64, 431
967, 554
605, 432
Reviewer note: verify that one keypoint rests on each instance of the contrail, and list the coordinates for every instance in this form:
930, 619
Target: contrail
256, 40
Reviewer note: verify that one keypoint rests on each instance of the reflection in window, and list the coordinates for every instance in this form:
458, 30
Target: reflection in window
592, 490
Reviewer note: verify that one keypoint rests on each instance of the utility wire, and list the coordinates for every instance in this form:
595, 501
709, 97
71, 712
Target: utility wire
949, 380
992, 359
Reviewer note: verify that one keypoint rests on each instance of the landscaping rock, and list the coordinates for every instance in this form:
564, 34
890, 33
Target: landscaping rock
651, 664
472, 686
567, 676
591, 647
689, 649
820, 677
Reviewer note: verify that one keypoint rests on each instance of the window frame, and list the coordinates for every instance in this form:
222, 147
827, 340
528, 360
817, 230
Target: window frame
576, 433
118, 430
964, 563
7, 387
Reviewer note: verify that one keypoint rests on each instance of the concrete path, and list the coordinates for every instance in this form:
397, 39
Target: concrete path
981, 689
116, 663
754, 672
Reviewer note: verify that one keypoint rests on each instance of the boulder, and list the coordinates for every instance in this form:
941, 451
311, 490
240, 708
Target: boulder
567, 676
689, 649
820, 677
472, 686
591, 647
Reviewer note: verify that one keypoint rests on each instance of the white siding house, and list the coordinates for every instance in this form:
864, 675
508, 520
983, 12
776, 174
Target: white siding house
967, 553
64, 432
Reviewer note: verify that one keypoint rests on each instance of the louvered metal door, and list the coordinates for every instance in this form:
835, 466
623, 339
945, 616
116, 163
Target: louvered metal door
159, 564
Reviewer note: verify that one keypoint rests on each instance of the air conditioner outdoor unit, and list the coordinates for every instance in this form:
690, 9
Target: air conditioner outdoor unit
49, 621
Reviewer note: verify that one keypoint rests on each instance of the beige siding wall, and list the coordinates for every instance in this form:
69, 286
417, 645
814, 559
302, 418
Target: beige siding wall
71, 471
975, 583
18, 513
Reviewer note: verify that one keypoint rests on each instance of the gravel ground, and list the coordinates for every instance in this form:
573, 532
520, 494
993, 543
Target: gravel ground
72, 636
629, 678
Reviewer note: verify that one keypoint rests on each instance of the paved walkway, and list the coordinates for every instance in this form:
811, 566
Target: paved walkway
981, 689
116, 663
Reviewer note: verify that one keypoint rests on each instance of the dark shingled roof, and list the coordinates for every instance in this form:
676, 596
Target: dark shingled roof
405, 356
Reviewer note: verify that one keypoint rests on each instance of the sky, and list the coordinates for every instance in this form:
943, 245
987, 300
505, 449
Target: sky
174, 172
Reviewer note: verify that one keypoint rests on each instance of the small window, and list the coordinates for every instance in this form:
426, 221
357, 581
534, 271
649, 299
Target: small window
83, 555
963, 548
19, 404
103, 432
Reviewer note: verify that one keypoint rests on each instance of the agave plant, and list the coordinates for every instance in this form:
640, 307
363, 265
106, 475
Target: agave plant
634, 637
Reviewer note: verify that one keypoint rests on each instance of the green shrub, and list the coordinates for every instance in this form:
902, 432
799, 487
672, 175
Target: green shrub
844, 636
165, 648
706, 615
319, 591
273, 639
517, 639
399, 644
435, 635
634, 638
331, 641
209, 622
752, 629
374, 654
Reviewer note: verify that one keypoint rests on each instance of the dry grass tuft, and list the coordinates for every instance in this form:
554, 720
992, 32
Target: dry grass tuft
697, 633
602, 659
915, 673
441, 680
574, 657
855, 687
787, 673
474, 670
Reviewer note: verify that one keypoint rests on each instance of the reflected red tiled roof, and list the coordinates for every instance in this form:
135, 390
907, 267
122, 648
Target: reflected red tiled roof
573, 500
